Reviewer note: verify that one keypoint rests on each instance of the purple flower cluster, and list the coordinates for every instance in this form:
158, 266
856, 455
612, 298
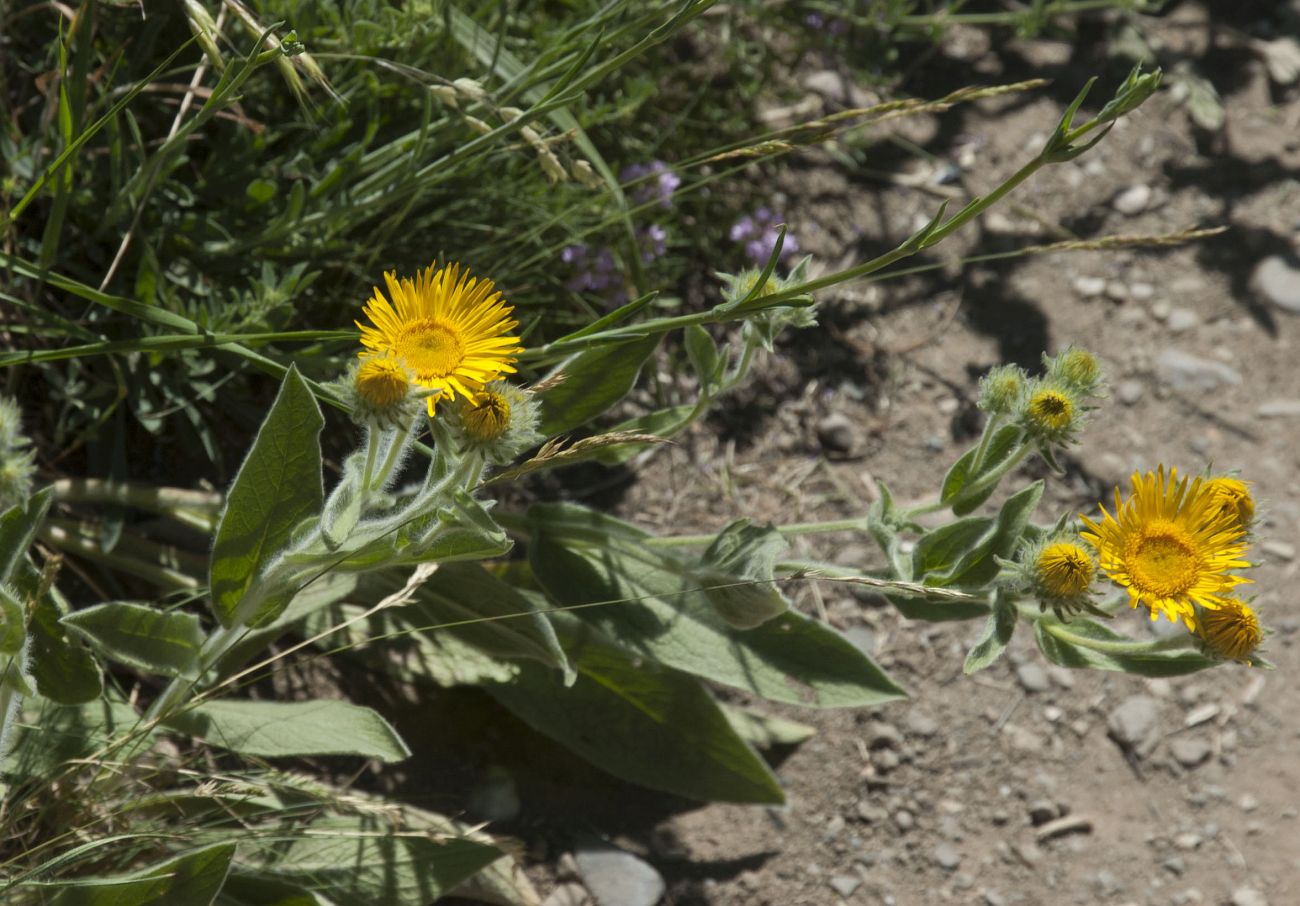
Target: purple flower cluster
597, 271
833, 26
758, 231
654, 182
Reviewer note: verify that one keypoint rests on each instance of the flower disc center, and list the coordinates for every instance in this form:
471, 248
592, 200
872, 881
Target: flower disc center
1162, 561
429, 348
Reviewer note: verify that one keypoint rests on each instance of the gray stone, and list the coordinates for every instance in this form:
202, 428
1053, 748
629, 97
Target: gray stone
994, 898
1248, 896
1279, 409
1133, 200
837, 87
1278, 549
1130, 392
1135, 724
1190, 373
1175, 865
1190, 752
947, 856
844, 885
1033, 678
835, 432
1089, 286
618, 878
1182, 320
1278, 280
903, 820
921, 724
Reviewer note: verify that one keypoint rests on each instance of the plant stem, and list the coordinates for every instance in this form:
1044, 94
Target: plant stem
858, 524
1115, 646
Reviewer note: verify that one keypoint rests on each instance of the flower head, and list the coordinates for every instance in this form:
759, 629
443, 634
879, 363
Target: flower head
1170, 545
654, 182
450, 330
382, 382
1078, 369
1000, 389
1232, 631
500, 420
1059, 572
1064, 569
1051, 413
1233, 497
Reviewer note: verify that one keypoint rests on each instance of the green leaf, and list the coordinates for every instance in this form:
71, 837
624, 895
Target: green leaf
58, 734
277, 487
763, 731
18, 526
594, 381
62, 669
276, 729
1055, 642
652, 604
491, 615
255, 890
166, 643
13, 625
941, 549
995, 636
193, 879
641, 721
361, 860
978, 566
703, 353
959, 477
746, 552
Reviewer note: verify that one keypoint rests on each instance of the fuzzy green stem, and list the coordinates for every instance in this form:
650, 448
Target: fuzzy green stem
994, 422
1116, 646
794, 529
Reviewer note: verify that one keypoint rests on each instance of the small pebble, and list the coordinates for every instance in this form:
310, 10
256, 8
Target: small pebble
835, 432
1279, 549
1134, 724
1182, 320
903, 820
618, 878
1032, 677
1190, 752
1279, 409
1278, 279
1248, 896
844, 885
1133, 200
1161, 309
921, 724
1141, 292
1130, 392
1192, 373
1089, 286
947, 856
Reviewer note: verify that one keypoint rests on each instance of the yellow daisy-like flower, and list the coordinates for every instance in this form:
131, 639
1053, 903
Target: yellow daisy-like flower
1064, 570
1232, 631
382, 382
1050, 410
1170, 546
1233, 497
448, 328
486, 416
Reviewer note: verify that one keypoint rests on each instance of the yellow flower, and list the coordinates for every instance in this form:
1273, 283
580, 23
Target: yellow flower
486, 416
1170, 545
1233, 497
1232, 631
1050, 410
382, 383
1064, 570
448, 328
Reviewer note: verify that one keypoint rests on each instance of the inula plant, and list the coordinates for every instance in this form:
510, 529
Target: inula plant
383, 512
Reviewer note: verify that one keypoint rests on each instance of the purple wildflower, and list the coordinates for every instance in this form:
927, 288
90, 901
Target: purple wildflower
653, 241
758, 232
654, 182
